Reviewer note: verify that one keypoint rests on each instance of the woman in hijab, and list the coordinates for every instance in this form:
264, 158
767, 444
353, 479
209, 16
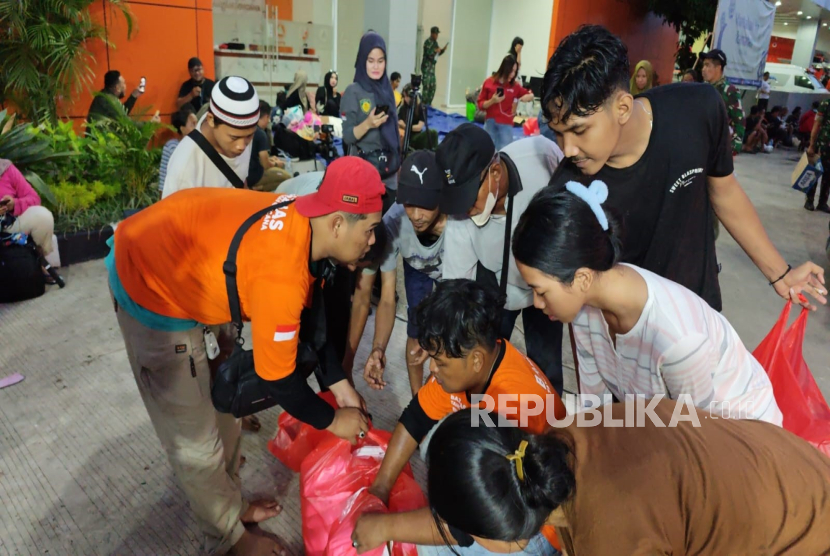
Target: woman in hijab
296, 95
327, 98
643, 78
370, 124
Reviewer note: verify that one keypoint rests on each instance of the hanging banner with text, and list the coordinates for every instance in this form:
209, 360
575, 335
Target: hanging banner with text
742, 31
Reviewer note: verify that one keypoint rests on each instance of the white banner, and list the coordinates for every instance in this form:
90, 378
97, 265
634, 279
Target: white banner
742, 31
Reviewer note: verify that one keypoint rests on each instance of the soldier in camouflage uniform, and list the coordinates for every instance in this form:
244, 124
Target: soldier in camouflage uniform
714, 62
820, 145
431, 52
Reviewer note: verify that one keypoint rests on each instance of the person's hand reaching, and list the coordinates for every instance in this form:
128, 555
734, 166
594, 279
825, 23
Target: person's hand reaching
807, 278
368, 533
373, 371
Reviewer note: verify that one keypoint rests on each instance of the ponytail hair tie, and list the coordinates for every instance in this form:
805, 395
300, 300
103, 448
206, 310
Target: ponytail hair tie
594, 195
518, 457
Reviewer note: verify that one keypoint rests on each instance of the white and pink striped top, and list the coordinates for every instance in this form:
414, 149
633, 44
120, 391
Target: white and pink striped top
680, 345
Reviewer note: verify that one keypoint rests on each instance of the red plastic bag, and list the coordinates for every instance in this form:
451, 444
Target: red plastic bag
805, 410
330, 477
531, 126
295, 440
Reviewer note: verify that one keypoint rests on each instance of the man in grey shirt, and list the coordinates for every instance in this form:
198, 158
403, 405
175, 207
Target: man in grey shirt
480, 185
415, 228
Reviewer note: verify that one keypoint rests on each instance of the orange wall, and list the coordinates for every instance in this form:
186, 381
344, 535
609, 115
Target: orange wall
166, 33
643, 32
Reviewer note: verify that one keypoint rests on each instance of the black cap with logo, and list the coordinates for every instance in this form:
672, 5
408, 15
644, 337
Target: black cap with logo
717, 55
434, 30
462, 156
420, 181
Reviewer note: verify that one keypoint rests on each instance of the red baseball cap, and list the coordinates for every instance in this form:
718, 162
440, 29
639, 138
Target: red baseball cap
350, 185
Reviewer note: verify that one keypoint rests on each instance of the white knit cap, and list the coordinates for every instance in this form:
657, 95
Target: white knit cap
234, 101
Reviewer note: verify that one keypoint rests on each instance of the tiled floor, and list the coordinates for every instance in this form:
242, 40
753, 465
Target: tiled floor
82, 472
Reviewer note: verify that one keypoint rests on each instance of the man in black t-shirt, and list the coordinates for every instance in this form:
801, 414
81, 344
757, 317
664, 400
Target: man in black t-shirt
196, 90
265, 172
667, 160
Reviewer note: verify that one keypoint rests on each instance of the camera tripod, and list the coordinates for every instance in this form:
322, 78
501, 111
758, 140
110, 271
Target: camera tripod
414, 104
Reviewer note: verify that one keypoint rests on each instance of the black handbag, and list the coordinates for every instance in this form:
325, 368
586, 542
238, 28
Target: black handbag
21, 276
382, 159
237, 388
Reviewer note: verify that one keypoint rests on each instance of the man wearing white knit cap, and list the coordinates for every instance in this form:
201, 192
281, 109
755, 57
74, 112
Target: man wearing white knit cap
218, 152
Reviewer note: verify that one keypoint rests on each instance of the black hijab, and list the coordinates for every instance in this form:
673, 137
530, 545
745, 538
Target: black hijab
381, 88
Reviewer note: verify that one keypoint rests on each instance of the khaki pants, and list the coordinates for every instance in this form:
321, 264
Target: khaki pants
271, 179
39, 223
173, 376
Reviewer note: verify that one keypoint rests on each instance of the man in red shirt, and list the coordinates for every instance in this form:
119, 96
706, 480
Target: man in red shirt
167, 280
805, 126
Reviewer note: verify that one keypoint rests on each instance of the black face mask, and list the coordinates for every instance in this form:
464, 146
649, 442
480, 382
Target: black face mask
121, 94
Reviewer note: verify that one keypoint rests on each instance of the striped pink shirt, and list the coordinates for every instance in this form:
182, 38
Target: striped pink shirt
680, 345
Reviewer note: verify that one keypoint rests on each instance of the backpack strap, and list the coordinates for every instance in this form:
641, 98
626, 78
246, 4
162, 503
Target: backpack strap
229, 267
216, 158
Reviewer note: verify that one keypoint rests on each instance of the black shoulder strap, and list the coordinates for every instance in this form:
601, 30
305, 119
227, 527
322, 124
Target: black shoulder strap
229, 267
216, 158
508, 229
506, 258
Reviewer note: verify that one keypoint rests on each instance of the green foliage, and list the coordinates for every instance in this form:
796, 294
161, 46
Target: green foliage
691, 18
44, 52
93, 177
30, 152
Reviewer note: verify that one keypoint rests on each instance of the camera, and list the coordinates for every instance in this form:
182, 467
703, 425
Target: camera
327, 149
415, 81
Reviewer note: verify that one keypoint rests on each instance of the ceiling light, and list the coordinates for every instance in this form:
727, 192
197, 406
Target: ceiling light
778, 3
824, 25
809, 17
785, 23
799, 12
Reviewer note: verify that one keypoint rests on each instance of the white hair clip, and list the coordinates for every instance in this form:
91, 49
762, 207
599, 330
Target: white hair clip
594, 195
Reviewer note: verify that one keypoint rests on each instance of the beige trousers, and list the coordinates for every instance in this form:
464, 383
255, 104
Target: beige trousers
271, 179
39, 223
203, 446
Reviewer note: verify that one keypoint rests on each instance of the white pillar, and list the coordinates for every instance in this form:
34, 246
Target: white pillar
805, 43
397, 22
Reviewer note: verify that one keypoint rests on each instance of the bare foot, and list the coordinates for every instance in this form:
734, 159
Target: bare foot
251, 423
260, 510
251, 544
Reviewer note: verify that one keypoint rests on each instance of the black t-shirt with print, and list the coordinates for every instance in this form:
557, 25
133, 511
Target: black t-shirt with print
663, 198
204, 96
260, 143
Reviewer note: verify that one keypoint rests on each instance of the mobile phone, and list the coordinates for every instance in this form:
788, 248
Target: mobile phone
142, 84
381, 109
500, 92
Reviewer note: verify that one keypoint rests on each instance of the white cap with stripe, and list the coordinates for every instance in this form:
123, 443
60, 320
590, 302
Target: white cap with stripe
234, 102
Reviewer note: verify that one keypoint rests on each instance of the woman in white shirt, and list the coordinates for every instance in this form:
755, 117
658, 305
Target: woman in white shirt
636, 332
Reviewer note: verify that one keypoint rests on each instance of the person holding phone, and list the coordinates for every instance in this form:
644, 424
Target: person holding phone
370, 119
196, 90
499, 95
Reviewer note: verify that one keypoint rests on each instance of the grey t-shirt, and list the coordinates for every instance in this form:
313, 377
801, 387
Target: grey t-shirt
465, 244
403, 239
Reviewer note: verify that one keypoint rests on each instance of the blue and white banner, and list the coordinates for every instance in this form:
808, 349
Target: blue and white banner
742, 31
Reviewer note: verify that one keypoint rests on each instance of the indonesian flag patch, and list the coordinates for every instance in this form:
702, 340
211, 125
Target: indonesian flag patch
285, 332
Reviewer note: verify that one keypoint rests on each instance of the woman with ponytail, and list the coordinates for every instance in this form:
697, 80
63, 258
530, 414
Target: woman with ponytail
681, 486
635, 332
